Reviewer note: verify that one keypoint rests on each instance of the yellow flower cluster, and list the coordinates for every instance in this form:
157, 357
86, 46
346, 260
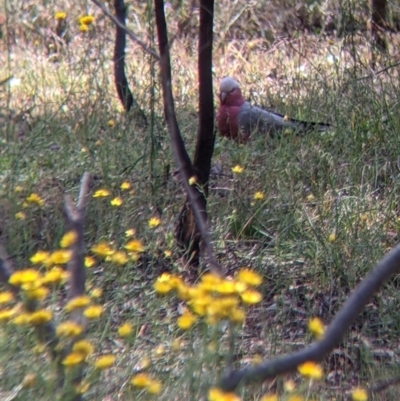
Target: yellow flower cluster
34, 284
84, 22
83, 302
120, 257
35, 198
80, 351
213, 298
57, 257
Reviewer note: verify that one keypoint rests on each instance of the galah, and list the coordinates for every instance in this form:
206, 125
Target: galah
238, 120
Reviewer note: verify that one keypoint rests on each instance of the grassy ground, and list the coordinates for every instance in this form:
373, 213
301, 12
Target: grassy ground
329, 213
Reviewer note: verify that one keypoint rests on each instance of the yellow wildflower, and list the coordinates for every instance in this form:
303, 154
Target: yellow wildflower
215, 394
68, 329
289, 385
251, 297
310, 370
59, 257
24, 276
60, 15
102, 249
226, 287
89, 262
111, 123
83, 347
332, 237
125, 330
316, 327
163, 284
269, 397
295, 397
40, 317
237, 169
117, 201
84, 28
35, 198
119, 258
186, 321
38, 293
93, 312
310, 197
96, 293
6, 297
39, 257
249, 277
154, 387
73, 359
104, 361
86, 20
130, 233
22, 319
258, 196
134, 246
359, 394
154, 222
141, 380
237, 315
6, 314
125, 185
82, 387
192, 180
68, 239
101, 193
77, 302
159, 351
20, 216
56, 275
18, 188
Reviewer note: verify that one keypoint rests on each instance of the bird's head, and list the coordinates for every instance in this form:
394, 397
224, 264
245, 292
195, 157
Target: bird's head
229, 92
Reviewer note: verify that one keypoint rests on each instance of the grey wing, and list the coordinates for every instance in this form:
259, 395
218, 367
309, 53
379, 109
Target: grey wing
254, 119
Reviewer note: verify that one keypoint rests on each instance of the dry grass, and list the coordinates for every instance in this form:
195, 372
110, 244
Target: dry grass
345, 183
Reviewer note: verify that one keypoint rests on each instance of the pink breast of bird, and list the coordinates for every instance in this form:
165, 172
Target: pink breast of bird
227, 116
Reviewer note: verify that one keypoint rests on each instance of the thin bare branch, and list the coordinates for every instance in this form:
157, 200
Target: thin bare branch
383, 385
185, 167
121, 82
388, 266
75, 218
128, 31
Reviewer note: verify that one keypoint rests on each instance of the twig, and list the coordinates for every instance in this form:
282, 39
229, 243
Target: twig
374, 74
128, 31
388, 266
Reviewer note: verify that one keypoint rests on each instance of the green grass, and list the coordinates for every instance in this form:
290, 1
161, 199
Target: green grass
329, 213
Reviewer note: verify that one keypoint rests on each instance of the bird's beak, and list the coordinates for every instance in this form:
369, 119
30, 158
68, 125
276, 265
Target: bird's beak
222, 96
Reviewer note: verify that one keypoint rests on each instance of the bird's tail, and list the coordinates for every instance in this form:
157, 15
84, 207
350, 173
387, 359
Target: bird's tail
305, 127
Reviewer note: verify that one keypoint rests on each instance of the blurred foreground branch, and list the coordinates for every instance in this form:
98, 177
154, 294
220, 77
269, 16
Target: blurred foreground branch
317, 351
